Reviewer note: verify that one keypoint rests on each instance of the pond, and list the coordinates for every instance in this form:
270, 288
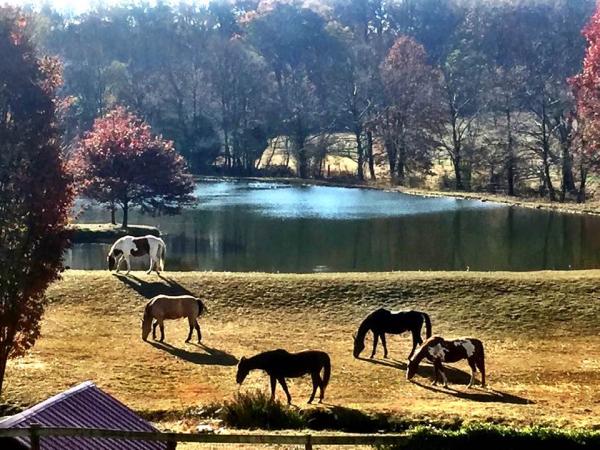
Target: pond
279, 227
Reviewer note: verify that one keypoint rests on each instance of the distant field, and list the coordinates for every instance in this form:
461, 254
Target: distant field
541, 331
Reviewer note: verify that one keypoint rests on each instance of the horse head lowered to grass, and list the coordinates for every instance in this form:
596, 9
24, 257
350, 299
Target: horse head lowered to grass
169, 307
382, 321
127, 246
438, 350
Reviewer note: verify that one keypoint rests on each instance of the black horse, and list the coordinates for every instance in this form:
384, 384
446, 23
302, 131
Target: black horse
280, 364
383, 321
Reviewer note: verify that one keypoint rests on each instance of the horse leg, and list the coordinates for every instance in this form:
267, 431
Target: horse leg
119, 261
128, 262
285, 389
273, 384
375, 339
416, 341
473, 370
154, 325
316, 381
322, 389
481, 366
440, 369
191, 323
385, 352
197, 326
151, 264
162, 330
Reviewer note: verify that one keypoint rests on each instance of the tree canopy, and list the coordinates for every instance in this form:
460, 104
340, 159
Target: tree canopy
120, 162
35, 190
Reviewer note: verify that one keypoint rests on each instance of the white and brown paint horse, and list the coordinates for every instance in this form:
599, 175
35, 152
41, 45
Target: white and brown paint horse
127, 246
169, 307
438, 350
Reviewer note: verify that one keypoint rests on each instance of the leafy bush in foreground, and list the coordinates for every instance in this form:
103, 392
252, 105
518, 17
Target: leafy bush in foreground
495, 437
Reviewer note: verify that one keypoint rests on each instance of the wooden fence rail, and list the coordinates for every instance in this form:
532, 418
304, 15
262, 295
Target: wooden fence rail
36, 433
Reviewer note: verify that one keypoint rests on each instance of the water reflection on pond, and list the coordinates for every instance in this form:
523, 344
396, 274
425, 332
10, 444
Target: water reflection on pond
274, 227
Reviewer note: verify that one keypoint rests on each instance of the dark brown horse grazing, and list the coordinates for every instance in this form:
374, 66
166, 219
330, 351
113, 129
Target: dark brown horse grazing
438, 350
280, 364
382, 321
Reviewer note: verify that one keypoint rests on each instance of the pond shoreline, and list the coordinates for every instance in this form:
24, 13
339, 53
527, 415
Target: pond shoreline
589, 208
92, 233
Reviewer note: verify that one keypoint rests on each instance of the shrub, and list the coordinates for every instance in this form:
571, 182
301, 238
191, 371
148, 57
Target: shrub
256, 410
495, 437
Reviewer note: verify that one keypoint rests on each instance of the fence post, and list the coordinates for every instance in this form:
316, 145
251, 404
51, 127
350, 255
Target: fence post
308, 445
171, 445
34, 435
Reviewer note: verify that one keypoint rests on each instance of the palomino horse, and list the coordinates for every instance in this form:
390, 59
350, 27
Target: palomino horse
168, 307
382, 321
280, 364
438, 350
127, 246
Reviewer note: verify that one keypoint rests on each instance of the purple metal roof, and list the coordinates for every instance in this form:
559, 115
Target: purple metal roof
84, 406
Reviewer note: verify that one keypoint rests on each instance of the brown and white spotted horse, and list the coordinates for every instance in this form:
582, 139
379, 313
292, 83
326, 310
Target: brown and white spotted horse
438, 350
127, 246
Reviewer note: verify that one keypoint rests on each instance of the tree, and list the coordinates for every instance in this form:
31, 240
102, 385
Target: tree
587, 93
120, 162
413, 115
302, 56
35, 189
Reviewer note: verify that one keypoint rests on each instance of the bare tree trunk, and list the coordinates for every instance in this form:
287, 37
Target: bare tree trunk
3, 361
582, 181
359, 151
456, 150
568, 180
113, 219
370, 154
510, 160
125, 214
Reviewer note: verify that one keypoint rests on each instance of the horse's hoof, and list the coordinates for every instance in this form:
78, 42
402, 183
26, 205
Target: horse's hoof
309, 402
187, 340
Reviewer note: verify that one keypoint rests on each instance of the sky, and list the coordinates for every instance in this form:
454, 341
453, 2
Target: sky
79, 6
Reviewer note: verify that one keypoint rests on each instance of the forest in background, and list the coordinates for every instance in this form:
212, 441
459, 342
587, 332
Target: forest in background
482, 84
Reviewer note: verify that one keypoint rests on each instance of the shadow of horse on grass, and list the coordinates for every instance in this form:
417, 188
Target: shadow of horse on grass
393, 363
210, 356
149, 289
478, 395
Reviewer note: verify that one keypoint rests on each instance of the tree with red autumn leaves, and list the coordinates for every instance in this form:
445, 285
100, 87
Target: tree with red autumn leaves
587, 95
35, 188
120, 162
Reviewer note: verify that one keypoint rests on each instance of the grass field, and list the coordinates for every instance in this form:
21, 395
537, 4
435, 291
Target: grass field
541, 331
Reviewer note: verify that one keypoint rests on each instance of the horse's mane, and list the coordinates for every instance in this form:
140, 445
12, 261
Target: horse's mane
113, 247
421, 351
366, 325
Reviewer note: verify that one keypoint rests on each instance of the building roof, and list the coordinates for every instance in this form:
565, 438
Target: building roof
83, 406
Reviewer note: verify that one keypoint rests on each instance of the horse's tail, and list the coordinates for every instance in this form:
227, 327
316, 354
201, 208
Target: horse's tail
147, 311
202, 309
162, 253
326, 371
427, 324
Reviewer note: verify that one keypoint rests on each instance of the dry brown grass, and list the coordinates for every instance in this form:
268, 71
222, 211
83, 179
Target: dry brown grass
541, 332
